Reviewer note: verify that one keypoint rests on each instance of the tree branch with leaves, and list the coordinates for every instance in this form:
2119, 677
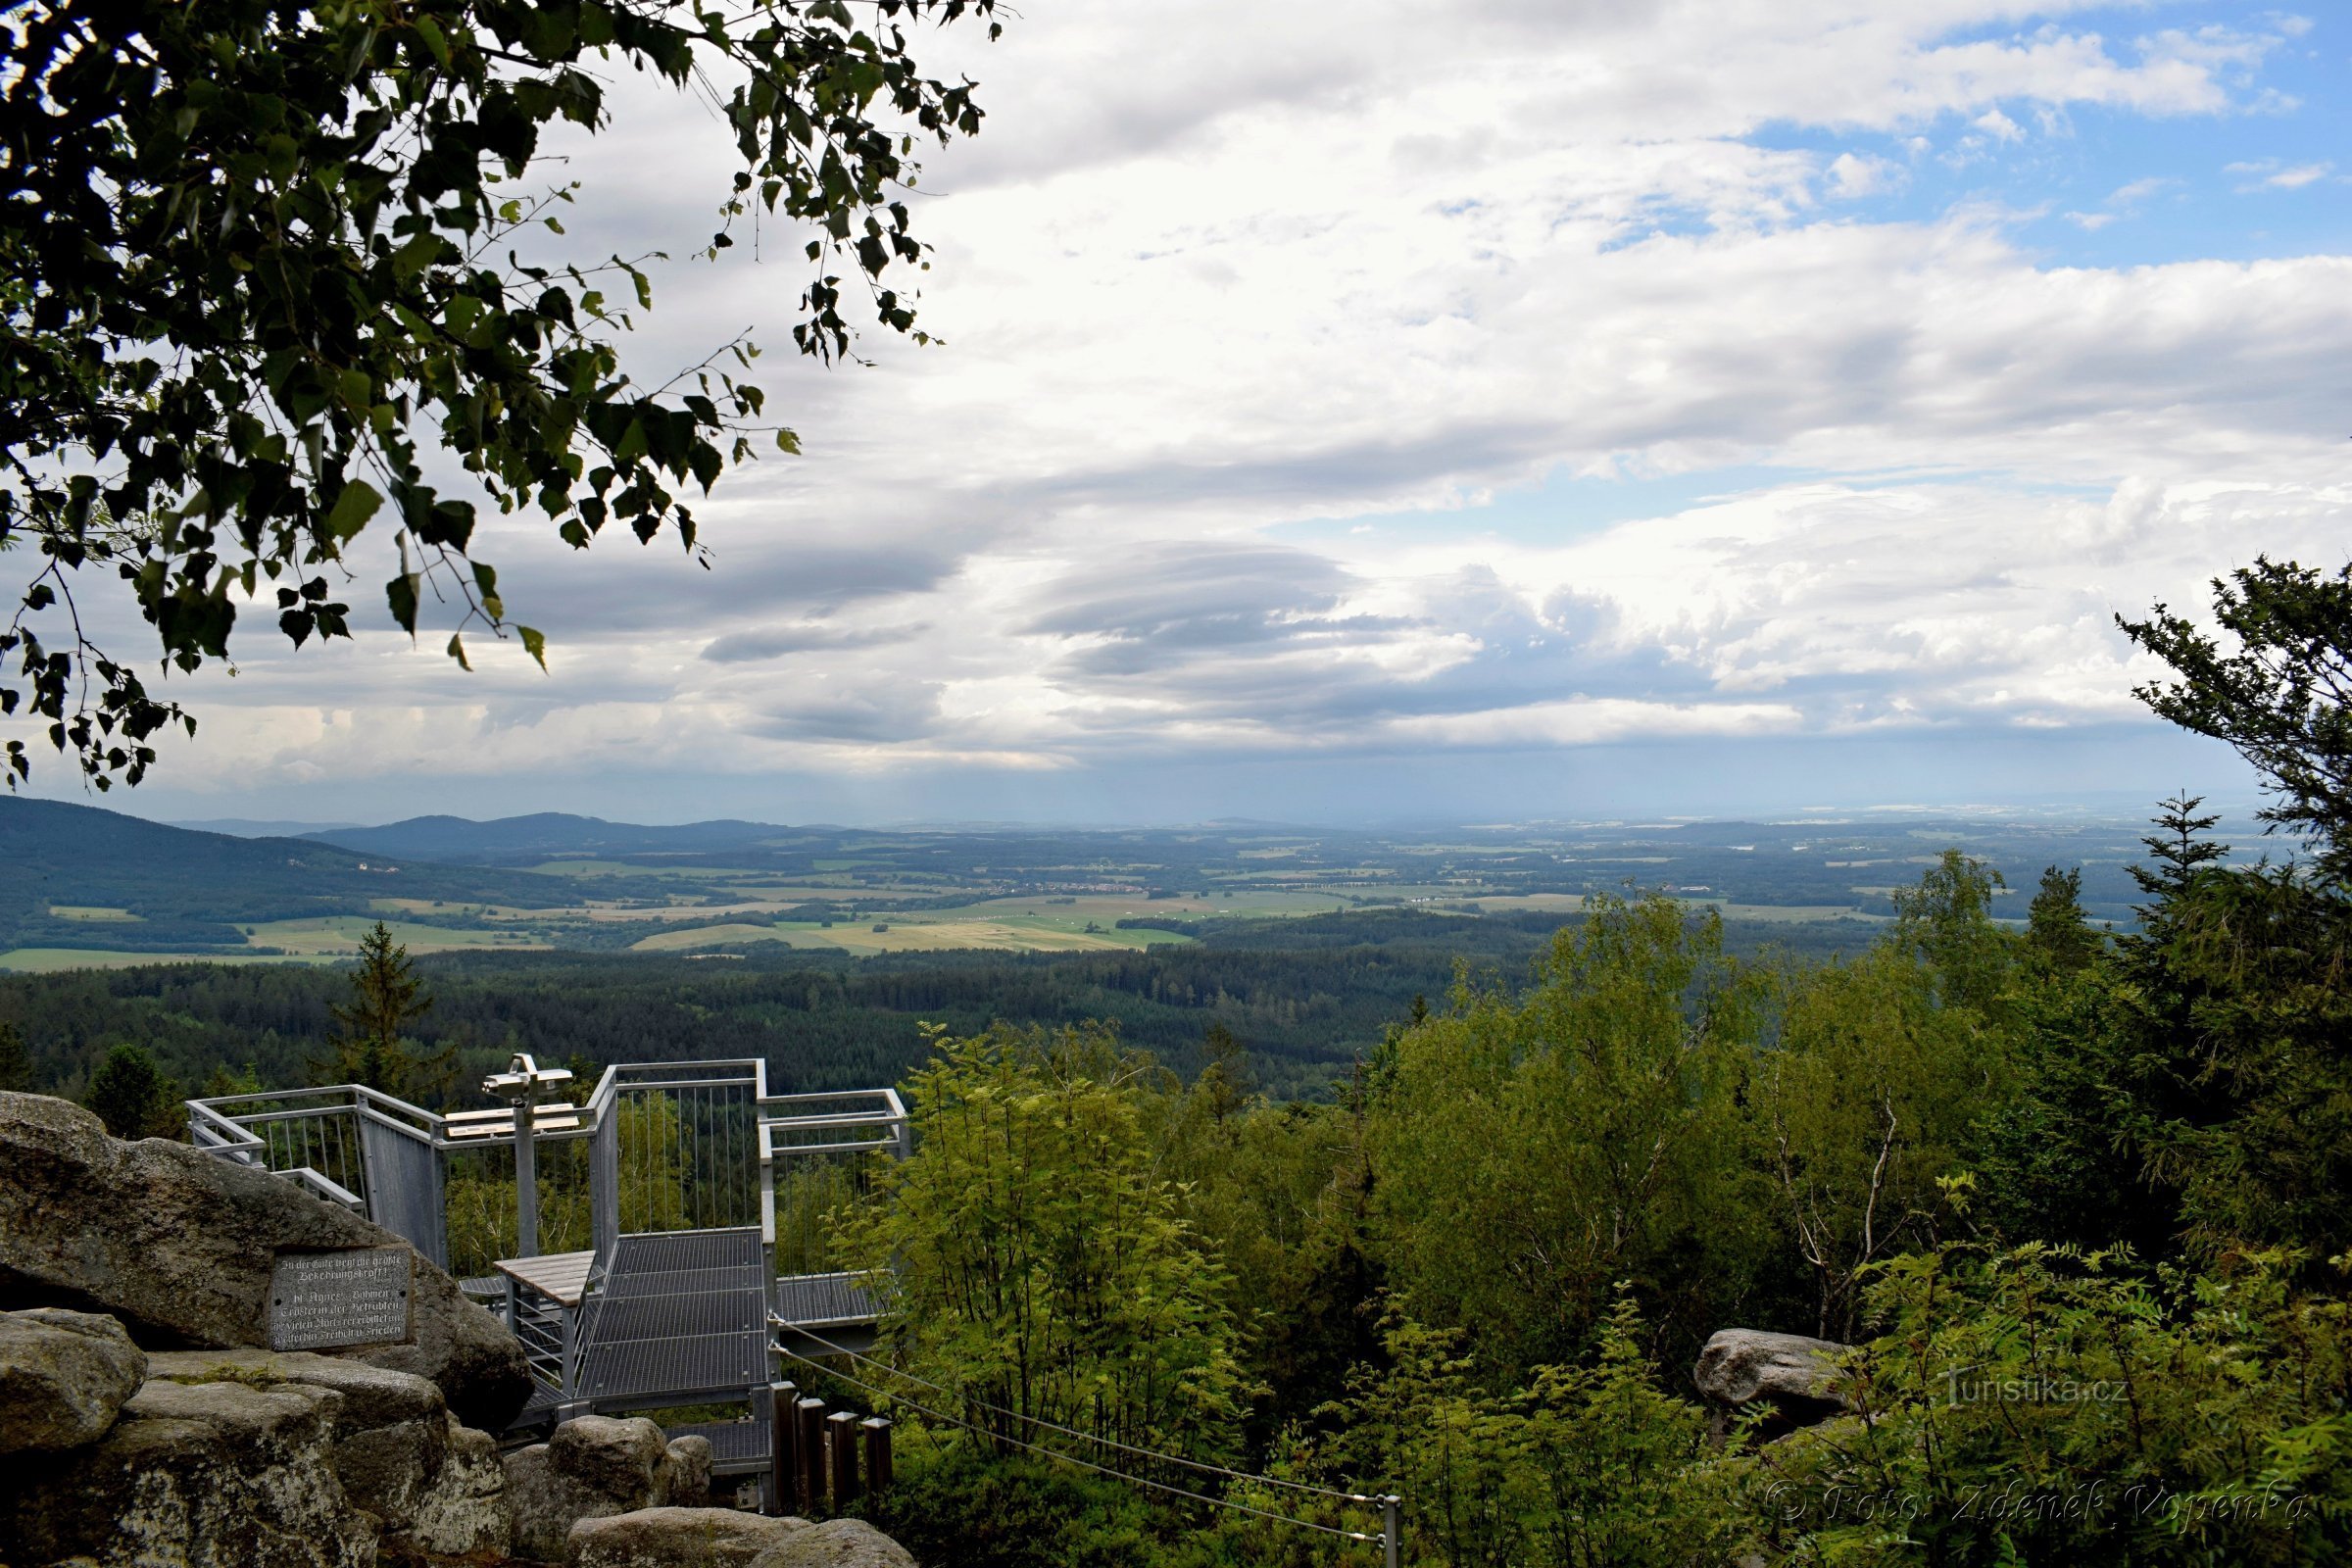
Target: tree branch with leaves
261, 264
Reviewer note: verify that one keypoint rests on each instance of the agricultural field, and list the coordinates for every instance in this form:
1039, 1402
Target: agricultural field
338, 936
56, 961
116, 890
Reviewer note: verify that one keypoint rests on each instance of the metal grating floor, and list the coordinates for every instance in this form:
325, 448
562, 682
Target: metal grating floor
823, 1300
737, 1448
682, 1315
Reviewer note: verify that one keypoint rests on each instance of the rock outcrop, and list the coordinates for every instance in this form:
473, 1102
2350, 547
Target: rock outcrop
836, 1543
179, 1245
676, 1537
594, 1468
1794, 1376
721, 1537
64, 1377
430, 1484
211, 1475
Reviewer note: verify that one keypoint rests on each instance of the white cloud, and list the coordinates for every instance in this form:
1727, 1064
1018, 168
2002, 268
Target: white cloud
1852, 175
2268, 173
1999, 126
1316, 263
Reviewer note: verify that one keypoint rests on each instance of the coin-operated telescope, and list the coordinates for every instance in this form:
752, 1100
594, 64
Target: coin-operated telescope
523, 1086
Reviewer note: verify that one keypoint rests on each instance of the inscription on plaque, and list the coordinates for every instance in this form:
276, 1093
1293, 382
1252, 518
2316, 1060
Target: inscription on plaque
359, 1295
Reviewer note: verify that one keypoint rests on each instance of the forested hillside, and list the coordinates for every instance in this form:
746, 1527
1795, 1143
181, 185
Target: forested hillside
125, 883
1307, 997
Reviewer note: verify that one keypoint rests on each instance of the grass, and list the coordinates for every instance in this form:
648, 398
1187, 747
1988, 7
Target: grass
51, 961
338, 936
607, 868
722, 936
428, 907
95, 913
933, 934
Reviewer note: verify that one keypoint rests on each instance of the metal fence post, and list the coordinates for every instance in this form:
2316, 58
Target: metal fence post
526, 1182
569, 1321
841, 1437
877, 1455
1392, 1533
810, 1440
780, 1433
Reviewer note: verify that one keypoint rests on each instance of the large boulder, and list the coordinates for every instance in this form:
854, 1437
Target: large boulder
595, 1467
432, 1485
675, 1537
1794, 1377
206, 1475
835, 1544
179, 1245
63, 1377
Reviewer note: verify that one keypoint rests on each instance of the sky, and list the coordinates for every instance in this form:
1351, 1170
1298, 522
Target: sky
1381, 410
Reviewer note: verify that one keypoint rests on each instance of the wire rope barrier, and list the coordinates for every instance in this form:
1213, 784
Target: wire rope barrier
1071, 1431
1372, 1538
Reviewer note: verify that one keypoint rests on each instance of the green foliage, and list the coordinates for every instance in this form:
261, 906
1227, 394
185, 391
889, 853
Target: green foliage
1038, 1264
1867, 1101
1225, 1082
1947, 921
1528, 1151
2048, 1405
2058, 934
370, 1044
133, 1098
2278, 697
1586, 1465
16, 1063
1281, 1194
260, 259
2238, 1088
654, 1189
952, 1501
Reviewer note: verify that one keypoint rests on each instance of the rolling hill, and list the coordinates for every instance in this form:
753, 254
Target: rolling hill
83, 877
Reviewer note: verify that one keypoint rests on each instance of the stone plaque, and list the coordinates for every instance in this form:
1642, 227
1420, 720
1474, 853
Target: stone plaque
359, 1295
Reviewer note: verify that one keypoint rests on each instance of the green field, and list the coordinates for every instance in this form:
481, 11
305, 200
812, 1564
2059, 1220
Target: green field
51, 961
932, 933
338, 936
96, 914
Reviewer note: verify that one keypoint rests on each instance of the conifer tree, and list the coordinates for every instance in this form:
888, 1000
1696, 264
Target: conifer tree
2057, 931
371, 1045
130, 1095
1226, 1082
16, 1063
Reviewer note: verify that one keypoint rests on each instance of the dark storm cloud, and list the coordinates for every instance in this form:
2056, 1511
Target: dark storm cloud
750, 647
661, 590
826, 709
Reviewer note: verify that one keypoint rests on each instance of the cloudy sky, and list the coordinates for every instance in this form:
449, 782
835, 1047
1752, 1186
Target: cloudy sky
1448, 410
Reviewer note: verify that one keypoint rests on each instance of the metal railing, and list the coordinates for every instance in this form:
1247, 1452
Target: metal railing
815, 1163
656, 1147
549, 1332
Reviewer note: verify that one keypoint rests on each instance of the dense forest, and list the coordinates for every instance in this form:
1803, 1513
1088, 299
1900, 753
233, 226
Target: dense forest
1308, 996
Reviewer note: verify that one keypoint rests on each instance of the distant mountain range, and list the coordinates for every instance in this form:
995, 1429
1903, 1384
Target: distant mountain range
551, 836
242, 827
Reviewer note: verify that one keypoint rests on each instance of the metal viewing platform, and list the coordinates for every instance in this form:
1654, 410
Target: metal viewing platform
684, 1202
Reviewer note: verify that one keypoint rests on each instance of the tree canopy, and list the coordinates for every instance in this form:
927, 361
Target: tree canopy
2282, 697
263, 263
